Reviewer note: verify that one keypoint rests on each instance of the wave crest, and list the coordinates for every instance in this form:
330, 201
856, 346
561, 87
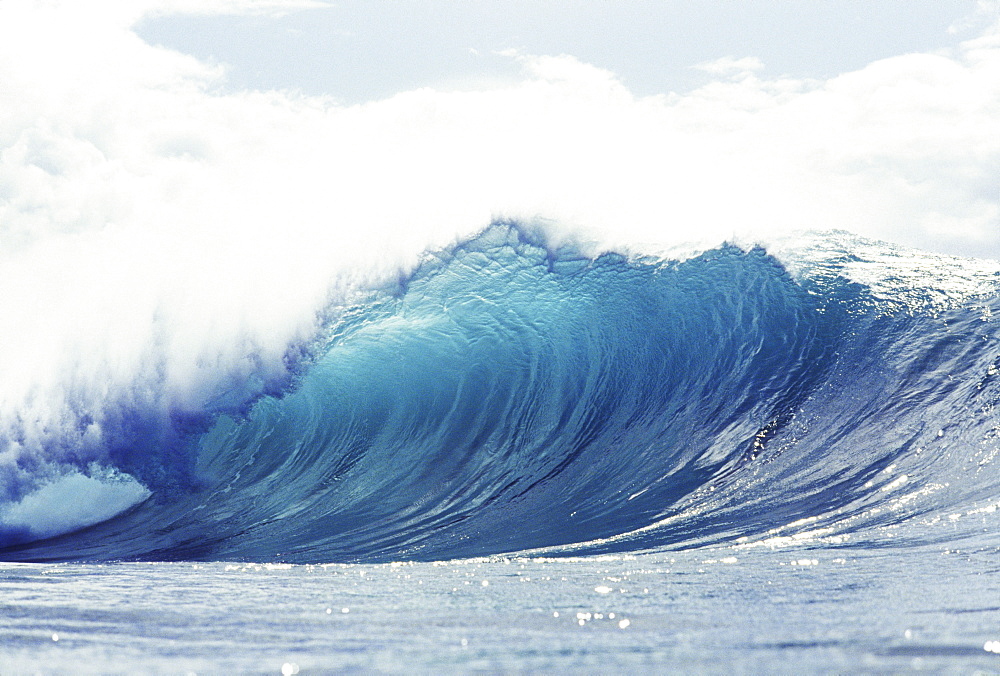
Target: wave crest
511, 395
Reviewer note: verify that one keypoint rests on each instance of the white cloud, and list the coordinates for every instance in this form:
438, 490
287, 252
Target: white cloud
986, 15
154, 231
730, 66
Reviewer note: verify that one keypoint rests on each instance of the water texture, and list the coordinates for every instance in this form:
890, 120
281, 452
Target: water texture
510, 396
776, 459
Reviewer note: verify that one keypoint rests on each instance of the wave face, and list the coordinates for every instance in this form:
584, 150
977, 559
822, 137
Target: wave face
512, 395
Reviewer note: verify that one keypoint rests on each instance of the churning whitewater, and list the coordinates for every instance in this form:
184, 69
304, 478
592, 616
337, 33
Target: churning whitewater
513, 393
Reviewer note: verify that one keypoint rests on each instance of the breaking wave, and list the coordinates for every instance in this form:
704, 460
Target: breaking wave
511, 394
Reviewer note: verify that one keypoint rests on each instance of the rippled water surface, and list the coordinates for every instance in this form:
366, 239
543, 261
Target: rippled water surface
730, 610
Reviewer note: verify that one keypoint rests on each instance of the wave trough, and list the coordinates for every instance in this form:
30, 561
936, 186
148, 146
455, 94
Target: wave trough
513, 395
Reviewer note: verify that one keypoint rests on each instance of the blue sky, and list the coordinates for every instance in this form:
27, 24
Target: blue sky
359, 50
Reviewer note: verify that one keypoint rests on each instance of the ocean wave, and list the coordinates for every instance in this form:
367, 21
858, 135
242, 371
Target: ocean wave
513, 394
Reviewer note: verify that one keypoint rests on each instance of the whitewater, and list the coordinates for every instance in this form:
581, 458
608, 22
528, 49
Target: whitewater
531, 377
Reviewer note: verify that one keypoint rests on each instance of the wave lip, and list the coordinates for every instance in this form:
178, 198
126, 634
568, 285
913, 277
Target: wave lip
512, 395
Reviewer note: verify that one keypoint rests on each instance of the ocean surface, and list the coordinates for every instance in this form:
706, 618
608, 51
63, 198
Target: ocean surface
524, 455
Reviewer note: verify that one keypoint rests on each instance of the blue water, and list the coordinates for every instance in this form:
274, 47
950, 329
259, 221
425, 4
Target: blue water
792, 453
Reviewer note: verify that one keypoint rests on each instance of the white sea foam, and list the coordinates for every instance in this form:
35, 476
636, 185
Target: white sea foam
157, 235
73, 501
